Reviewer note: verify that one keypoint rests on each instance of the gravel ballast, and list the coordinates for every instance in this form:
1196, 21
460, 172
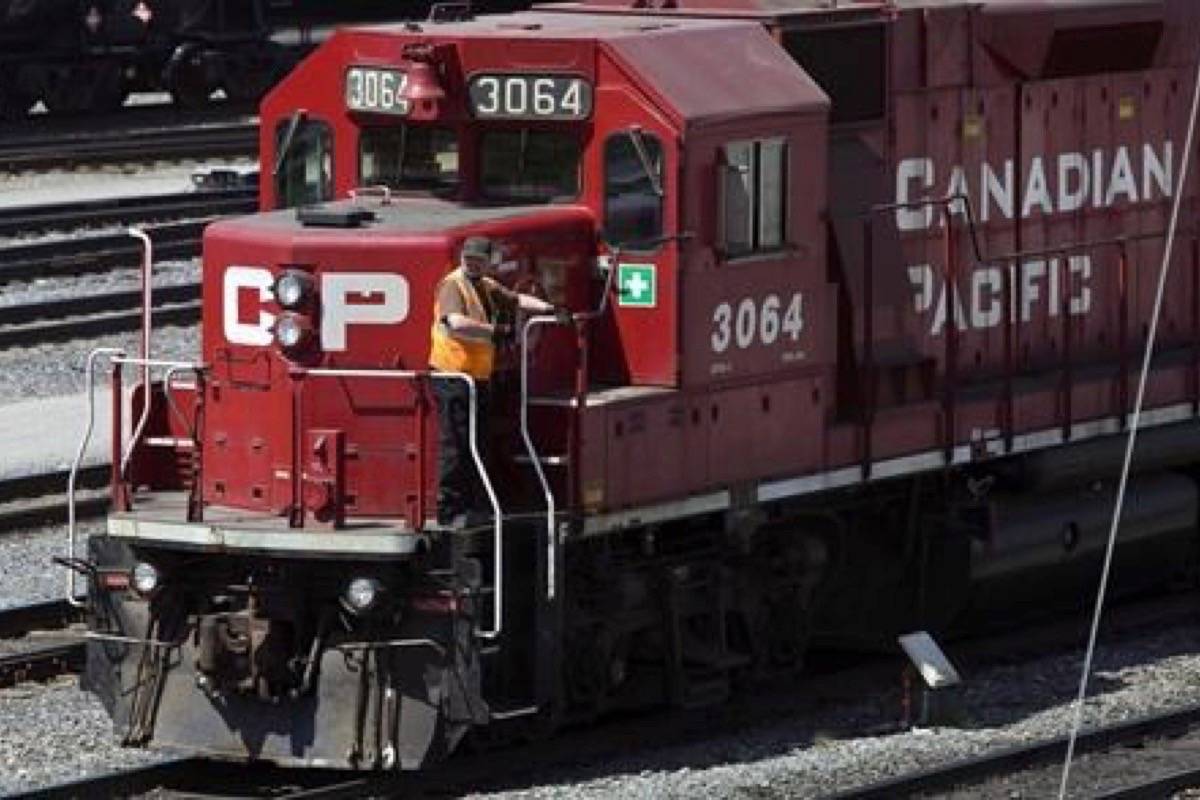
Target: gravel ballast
27, 573
800, 758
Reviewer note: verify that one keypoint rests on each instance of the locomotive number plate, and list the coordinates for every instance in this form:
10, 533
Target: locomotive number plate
377, 90
530, 97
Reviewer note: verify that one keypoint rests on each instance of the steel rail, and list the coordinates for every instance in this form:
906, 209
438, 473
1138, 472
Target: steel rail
120, 210
92, 315
28, 487
971, 771
98, 254
34, 500
1156, 788
42, 615
26, 154
42, 662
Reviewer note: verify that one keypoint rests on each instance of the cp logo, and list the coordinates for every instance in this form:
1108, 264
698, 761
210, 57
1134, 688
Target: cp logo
346, 298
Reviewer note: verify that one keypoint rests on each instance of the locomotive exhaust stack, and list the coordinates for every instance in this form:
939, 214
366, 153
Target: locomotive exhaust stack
847, 302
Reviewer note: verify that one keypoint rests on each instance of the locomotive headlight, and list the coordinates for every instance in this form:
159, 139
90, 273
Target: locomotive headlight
144, 578
293, 288
362, 593
292, 331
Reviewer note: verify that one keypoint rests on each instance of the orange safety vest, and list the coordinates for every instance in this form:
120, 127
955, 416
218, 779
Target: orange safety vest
451, 354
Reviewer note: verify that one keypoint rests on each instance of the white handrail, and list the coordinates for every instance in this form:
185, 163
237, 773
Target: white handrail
147, 364
114, 353
472, 425
147, 325
535, 458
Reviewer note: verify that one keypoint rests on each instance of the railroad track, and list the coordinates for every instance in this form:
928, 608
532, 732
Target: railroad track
117, 211
522, 766
68, 149
963, 775
44, 322
42, 499
40, 660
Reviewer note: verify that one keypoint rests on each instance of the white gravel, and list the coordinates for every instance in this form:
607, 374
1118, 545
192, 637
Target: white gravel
119, 180
1009, 706
27, 573
54, 733
166, 273
54, 370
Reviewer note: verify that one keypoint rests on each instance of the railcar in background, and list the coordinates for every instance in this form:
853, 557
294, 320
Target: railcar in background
858, 293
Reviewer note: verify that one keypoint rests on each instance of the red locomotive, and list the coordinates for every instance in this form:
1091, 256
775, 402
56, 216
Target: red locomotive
859, 294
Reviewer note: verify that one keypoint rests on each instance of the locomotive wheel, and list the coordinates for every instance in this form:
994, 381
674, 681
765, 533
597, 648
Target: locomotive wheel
80, 88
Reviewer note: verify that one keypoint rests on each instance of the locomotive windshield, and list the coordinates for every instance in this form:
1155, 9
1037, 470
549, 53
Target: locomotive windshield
529, 165
410, 157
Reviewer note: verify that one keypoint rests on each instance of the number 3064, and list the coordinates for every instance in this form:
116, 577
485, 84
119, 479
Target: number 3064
750, 321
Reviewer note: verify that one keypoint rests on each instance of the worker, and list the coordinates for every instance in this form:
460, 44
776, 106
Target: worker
468, 308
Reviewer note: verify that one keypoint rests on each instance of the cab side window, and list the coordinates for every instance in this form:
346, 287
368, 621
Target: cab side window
633, 197
304, 158
753, 189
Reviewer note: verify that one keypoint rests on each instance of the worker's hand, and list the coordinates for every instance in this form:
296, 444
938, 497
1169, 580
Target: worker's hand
501, 332
563, 315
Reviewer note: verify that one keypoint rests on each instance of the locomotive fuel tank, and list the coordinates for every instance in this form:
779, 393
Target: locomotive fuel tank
1042, 551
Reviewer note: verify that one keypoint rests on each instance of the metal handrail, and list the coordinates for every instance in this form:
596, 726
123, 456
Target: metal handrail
147, 364
530, 448
89, 371
117, 358
147, 323
472, 432
535, 457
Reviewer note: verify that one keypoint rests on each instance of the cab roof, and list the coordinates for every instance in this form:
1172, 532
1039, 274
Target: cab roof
703, 71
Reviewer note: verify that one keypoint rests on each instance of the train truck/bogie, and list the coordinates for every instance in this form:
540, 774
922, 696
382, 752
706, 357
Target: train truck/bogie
858, 295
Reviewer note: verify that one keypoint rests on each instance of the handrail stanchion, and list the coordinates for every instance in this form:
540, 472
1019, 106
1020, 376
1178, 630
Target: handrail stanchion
147, 325
535, 457
80, 453
300, 373
868, 328
951, 331
1195, 325
1010, 309
1064, 303
1123, 332
422, 405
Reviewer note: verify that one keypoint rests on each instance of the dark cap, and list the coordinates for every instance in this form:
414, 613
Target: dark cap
477, 247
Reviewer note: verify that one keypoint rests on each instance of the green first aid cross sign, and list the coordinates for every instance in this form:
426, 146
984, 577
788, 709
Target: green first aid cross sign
636, 285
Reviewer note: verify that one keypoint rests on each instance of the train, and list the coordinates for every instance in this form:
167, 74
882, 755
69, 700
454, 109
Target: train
82, 56
858, 295
85, 56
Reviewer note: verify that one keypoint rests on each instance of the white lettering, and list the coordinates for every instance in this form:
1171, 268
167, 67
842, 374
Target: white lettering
957, 187
1031, 273
1158, 170
921, 277
1122, 179
237, 280
1036, 191
1072, 199
983, 308
370, 298
1081, 266
987, 292
1069, 183
995, 190
909, 170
